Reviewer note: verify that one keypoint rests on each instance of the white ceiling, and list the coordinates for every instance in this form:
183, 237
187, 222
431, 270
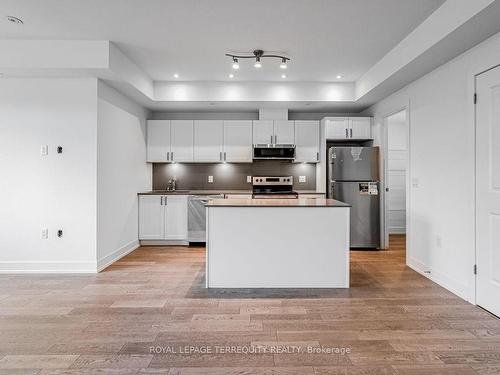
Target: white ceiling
324, 38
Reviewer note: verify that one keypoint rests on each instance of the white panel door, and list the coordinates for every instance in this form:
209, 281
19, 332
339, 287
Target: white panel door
238, 141
307, 141
151, 217
337, 128
284, 132
263, 132
488, 191
158, 140
181, 133
176, 218
360, 128
208, 140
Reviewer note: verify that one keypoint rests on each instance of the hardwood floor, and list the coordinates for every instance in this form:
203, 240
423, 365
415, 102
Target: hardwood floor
392, 321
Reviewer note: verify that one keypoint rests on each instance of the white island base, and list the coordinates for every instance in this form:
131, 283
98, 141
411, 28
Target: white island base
272, 243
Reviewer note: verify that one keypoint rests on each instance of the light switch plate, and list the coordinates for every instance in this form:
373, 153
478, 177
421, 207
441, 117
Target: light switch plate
302, 178
249, 179
210, 179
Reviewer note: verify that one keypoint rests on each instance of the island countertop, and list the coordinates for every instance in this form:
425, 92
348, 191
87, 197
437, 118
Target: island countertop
311, 202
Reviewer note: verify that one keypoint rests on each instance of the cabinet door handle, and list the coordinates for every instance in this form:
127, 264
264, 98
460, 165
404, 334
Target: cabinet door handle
271, 138
168, 156
220, 155
225, 155
161, 201
317, 156
172, 156
350, 130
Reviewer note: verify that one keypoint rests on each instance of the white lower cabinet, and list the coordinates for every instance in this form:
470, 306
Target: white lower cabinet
151, 217
176, 219
162, 217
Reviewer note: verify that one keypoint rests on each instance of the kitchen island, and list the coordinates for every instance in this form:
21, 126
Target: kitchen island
277, 243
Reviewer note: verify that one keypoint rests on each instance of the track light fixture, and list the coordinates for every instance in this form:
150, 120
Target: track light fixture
258, 54
236, 65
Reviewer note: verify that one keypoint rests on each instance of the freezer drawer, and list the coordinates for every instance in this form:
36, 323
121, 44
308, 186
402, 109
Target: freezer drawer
365, 211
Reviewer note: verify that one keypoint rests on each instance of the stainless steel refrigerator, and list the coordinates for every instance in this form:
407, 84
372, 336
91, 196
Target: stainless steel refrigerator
353, 177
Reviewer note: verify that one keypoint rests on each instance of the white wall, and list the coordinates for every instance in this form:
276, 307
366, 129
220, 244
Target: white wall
442, 160
122, 172
57, 191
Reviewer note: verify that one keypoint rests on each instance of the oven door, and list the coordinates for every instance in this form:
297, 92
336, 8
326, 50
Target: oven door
281, 152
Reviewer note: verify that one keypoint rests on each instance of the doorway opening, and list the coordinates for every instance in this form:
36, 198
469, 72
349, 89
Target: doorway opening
396, 177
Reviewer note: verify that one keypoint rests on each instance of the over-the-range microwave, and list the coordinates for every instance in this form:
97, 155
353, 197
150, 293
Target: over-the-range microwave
274, 151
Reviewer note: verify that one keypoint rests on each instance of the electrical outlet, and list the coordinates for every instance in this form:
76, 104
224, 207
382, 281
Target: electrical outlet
210, 179
44, 234
44, 150
249, 179
302, 178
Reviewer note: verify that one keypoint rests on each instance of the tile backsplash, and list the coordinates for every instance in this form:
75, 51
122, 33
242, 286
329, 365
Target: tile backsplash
230, 176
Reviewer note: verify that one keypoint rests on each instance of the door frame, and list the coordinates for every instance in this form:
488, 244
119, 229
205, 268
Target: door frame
473, 84
385, 173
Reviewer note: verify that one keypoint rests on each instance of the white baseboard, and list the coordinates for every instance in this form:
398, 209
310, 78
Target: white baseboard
164, 243
48, 267
454, 286
117, 254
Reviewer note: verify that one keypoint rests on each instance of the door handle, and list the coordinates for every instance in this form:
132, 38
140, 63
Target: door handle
346, 133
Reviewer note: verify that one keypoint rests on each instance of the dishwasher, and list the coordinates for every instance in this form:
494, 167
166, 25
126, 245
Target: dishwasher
197, 220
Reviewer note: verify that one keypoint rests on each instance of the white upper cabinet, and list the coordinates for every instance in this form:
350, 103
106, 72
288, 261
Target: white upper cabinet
337, 128
284, 132
238, 141
208, 140
263, 132
181, 136
360, 128
307, 141
158, 140
348, 128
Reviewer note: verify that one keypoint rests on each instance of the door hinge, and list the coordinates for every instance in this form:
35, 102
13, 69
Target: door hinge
475, 269
475, 98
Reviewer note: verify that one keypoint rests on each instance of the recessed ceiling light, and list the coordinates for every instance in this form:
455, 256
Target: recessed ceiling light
231, 75
176, 75
15, 20
283, 76
339, 76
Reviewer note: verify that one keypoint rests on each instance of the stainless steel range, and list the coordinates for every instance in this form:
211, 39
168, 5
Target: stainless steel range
273, 187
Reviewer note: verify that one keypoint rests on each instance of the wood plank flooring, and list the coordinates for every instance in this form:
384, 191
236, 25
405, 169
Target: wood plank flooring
391, 321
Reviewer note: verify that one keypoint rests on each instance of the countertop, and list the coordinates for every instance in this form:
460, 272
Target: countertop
311, 202
212, 192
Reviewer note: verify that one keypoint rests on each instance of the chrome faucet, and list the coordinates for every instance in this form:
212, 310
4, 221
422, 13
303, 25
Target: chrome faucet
171, 184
